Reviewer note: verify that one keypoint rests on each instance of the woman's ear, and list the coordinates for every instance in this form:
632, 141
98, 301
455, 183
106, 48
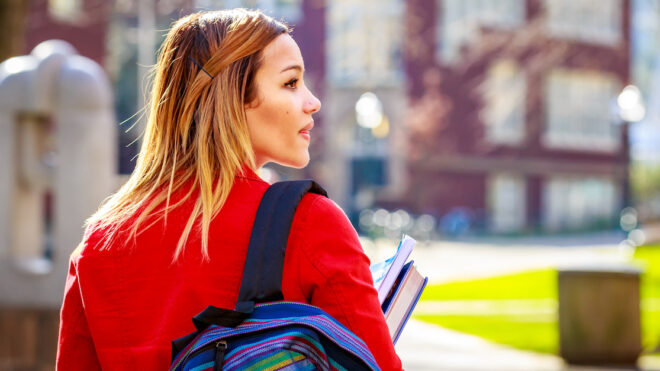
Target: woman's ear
254, 103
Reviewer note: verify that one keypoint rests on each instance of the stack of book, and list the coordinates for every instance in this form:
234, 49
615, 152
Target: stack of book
399, 286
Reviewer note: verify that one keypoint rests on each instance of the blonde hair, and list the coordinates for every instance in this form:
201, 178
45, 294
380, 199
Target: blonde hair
196, 129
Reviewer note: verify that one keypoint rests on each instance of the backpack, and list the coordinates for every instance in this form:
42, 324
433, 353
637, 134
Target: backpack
264, 332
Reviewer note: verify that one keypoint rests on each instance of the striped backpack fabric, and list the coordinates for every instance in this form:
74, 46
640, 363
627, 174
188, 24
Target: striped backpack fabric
264, 332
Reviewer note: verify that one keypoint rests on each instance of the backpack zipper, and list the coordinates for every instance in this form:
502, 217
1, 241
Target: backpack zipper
220, 349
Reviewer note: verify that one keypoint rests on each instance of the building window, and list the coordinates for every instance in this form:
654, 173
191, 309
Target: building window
578, 114
595, 21
460, 21
364, 42
507, 204
504, 92
571, 203
288, 10
65, 10
215, 4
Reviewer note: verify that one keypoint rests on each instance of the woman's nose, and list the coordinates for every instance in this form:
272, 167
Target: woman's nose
312, 104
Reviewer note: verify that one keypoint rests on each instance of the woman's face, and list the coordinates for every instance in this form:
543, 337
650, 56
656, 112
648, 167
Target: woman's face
280, 117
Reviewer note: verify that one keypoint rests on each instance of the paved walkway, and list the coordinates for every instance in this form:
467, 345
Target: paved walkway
424, 346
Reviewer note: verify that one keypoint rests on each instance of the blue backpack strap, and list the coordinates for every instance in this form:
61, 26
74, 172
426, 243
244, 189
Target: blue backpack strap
262, 272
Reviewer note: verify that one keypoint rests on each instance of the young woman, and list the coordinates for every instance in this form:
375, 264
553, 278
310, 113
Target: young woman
228, 97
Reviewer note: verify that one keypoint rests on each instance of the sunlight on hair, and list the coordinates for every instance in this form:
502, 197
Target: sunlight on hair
196, 138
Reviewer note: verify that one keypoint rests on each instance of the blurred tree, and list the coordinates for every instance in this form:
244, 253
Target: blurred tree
645, 180
12, 27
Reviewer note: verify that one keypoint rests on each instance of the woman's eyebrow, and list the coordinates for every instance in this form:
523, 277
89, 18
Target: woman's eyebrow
293, 67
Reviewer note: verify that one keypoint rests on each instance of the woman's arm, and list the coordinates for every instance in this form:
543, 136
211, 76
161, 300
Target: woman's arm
333, 274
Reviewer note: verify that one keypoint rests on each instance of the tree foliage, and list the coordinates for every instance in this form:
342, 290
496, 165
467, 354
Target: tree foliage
645, 180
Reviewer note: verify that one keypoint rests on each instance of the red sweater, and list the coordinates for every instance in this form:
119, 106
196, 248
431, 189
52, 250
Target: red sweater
123, 306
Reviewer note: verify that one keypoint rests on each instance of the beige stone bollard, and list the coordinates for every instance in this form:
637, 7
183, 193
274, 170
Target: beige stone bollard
599, 315
57, 142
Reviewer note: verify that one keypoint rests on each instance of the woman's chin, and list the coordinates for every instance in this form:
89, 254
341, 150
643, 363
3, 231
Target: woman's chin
296, 163
300, 164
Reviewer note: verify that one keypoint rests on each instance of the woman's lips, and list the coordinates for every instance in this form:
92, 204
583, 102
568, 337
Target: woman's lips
305, 131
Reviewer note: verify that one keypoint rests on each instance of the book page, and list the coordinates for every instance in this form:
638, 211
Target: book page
386, 272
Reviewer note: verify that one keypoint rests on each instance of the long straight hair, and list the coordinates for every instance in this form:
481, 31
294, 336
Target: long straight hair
196, 129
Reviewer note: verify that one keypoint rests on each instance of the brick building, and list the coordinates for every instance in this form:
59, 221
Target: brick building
510, 111
500, 111
84, 24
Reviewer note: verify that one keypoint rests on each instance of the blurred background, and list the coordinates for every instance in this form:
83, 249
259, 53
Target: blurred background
517, 140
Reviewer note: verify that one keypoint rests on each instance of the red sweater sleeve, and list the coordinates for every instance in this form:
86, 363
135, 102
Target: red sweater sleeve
334, 275
75, 348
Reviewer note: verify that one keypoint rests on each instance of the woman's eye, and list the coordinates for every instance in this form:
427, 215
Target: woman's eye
291, 83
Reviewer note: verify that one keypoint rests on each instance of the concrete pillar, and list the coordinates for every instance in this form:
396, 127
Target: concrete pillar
57, 139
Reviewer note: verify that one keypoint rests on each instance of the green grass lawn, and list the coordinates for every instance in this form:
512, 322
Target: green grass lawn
649, 259
534, 328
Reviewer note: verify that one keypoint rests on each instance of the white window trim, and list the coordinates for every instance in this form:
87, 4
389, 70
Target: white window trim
495, 132
613, 35
463, 31
372, 16
514, 223
66, 10
574, 140
579, 143
554, 219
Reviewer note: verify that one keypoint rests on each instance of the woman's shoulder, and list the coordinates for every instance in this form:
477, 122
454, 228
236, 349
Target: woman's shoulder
95, 241
321, 222
314, 206
323, 234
